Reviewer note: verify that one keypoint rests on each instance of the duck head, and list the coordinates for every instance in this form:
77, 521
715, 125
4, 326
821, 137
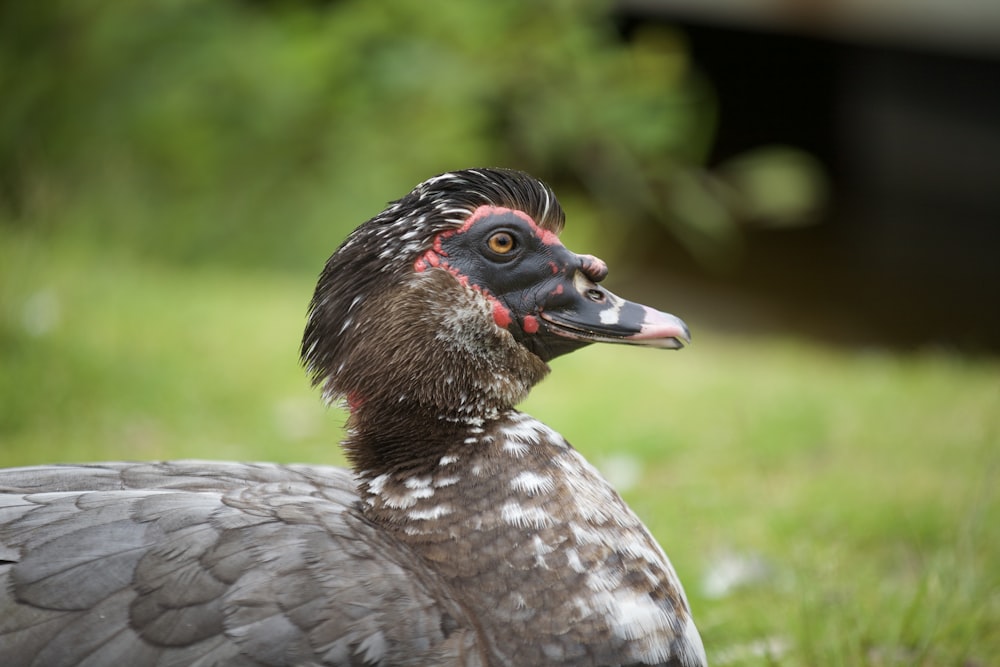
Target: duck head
455, 297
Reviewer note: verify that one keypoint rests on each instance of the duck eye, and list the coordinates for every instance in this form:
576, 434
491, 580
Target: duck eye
501, 243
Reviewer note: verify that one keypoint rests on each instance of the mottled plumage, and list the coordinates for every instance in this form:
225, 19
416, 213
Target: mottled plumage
468, 533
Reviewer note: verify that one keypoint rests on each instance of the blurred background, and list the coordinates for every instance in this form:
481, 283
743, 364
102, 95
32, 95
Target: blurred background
836, 164
814, 185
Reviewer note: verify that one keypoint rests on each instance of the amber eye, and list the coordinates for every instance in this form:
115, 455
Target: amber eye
501, 243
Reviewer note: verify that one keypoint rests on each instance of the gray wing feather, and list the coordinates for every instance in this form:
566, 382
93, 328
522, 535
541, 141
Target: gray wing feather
195, 563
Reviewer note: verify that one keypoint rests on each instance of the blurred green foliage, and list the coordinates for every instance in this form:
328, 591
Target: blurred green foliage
241, 131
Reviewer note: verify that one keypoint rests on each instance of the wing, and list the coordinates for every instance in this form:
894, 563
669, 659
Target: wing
195, 563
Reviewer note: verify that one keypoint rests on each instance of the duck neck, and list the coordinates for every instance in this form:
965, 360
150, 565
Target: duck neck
412, 471
408, 439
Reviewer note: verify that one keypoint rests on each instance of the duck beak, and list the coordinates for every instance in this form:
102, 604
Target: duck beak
589, 313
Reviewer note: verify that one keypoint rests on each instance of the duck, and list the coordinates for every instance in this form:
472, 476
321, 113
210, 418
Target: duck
465, 532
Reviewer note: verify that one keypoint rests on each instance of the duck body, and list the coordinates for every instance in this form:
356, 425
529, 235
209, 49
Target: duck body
206, 563
466, 533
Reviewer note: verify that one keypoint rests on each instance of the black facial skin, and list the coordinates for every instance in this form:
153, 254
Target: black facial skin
551, 293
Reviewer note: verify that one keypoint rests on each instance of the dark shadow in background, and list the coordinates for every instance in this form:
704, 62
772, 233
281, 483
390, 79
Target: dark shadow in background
909, 253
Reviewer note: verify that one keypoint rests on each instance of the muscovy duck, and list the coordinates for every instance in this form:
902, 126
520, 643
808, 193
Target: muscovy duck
468, 533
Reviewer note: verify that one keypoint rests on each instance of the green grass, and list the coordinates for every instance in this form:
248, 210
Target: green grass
864, 484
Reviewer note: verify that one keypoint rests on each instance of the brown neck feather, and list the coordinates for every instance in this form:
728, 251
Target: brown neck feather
430, 364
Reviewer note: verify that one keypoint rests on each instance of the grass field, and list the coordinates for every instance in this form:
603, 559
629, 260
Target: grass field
823, 506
